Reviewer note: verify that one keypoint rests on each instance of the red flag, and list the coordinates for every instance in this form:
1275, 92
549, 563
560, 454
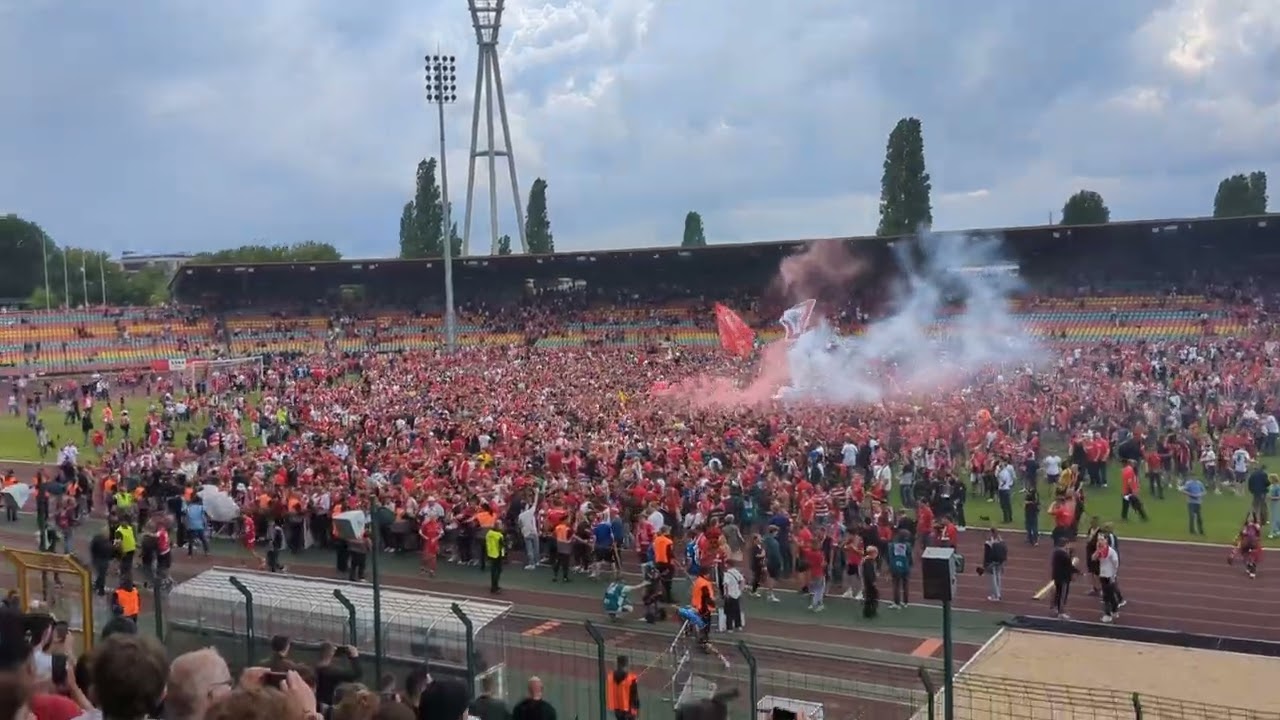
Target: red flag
735, 337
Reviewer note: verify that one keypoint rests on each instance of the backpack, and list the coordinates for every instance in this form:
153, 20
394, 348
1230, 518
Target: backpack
899, 558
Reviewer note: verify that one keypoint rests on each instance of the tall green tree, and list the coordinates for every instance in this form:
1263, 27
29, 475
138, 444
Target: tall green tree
423, 235
537, 225
1085, 208
455, 240
1241, 196
263, 253
23, 247
694, 235
905, 187
504, 245
408, 232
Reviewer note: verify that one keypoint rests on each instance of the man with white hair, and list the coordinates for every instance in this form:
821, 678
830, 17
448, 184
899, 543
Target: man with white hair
196, 680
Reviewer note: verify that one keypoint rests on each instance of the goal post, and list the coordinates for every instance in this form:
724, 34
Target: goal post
202, 370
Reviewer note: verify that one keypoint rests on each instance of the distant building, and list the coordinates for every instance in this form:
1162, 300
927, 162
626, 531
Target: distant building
169, 262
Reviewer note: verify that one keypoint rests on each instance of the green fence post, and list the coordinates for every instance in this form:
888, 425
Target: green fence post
1137, 706
250, 633
157, 592
601, 668
470, 647
930, 690
351, 616
753, 673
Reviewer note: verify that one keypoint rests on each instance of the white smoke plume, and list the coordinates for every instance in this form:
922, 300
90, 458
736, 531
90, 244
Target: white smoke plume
909, 353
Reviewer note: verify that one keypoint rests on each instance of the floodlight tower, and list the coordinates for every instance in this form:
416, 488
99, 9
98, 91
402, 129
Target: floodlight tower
486, 18
442, 89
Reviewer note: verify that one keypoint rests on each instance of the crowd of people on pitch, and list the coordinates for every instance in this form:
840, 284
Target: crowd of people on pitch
565, 451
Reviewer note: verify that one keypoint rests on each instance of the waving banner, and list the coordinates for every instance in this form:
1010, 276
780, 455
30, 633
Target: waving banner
735, 337
797, 319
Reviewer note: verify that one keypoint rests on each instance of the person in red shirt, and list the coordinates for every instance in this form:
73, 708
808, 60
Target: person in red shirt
816, 561
1129, 492
1063, 511
249, 537
430, 532
1155, 478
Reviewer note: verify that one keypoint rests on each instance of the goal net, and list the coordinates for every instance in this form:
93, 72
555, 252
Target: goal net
240, 374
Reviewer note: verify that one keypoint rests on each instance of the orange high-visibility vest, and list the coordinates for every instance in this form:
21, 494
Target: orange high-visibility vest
701, 591
129, 601
618, 694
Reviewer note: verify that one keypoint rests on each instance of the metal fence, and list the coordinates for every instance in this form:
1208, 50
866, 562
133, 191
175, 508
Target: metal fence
572, 660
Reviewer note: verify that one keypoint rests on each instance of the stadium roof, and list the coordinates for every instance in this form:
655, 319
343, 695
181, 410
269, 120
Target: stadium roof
515, 261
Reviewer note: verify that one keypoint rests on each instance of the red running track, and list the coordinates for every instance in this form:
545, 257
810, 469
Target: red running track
1168, 586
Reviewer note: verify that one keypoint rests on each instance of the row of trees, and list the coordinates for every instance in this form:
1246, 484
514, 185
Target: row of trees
905, 190
1237, 196
422, 220
39, 271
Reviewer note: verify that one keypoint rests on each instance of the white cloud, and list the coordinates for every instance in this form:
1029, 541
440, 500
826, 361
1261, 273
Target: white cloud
304, 119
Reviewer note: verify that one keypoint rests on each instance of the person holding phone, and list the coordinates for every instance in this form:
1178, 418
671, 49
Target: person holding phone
329, 676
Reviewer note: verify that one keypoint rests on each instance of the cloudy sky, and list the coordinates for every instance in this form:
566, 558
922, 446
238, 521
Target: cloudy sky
163, 125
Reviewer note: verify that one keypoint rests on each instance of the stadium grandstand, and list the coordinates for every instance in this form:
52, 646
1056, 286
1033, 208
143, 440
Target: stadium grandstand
640, 297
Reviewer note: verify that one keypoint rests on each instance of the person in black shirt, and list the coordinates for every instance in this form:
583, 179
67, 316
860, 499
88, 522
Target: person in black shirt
533, 707
487, 706
444, 699
100, 554
329, 677
870, 590
1031, 515
1063, 569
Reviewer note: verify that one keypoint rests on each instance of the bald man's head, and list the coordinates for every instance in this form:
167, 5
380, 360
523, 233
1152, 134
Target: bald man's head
535, 687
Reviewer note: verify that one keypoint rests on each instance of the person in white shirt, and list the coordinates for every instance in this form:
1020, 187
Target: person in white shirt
1209, 461
1240, 466
1108, 559
1005, 478
1052, 469
849, 454
733, 583
527, 520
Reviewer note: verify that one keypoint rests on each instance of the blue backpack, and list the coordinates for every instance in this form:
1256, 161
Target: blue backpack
899, 558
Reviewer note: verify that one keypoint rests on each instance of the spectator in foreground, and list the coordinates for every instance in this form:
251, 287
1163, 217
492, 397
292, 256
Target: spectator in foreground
14, 696
129, 676
488, 706
278, 660
443, 700
196, 680
258, 703
255, 699
17, 664
357, 702
533, 707
330, 676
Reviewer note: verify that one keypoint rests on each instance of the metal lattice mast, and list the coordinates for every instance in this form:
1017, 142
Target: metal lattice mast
486, 18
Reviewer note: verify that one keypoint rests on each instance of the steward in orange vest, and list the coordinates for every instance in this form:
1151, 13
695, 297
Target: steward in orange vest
622, 695
128, 600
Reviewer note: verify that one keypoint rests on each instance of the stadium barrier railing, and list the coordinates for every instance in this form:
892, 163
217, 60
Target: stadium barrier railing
572, 658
